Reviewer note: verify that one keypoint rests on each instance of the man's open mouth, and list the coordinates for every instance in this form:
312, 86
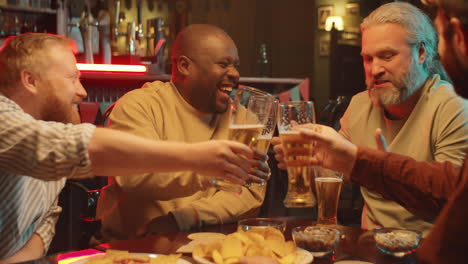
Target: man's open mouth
226, 89
377, 82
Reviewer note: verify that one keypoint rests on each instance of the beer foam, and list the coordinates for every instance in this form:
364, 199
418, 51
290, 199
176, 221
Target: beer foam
328, 179
253, 126
289, 132
266, 137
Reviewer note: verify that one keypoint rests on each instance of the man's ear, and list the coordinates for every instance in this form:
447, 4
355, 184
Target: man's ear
29, 81
422, 53
183, 65
459, 40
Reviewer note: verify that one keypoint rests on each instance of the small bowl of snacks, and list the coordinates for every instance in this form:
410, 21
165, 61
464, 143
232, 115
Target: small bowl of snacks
396, 241
256, 223
318, 240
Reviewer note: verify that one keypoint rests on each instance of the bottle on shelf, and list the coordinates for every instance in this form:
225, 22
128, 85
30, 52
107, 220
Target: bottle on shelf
263, 62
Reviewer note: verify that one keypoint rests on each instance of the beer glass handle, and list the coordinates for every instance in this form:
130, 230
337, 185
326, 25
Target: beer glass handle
226, 186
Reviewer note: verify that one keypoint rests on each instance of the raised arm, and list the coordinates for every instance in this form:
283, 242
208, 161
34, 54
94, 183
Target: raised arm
421, 187
117, 153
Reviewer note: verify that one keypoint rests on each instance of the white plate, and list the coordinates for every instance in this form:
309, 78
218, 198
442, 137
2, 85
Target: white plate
303, 257
179, 261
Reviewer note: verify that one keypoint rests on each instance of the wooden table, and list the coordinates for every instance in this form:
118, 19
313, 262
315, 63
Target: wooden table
356, 244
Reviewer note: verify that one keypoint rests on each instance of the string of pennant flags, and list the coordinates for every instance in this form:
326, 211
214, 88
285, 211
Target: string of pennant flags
299, 92
93, 112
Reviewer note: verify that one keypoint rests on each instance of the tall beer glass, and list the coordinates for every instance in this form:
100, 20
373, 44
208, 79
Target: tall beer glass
297, 152
263, 141
243, 94
249, 115
328, 186
248, 122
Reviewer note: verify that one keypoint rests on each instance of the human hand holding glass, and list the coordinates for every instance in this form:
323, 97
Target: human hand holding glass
221, 159
251, 111
331, 149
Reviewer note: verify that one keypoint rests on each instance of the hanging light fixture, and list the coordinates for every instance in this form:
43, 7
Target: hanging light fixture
337, 21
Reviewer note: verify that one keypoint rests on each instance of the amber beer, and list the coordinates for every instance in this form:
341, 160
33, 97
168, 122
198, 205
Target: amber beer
246, 134
328, 194
262, 143
297, 153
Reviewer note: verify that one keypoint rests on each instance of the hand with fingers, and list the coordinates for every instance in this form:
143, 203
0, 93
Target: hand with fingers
380, 140
279, 152
224, 159
331, 150
260, 172
298, 150
232, 161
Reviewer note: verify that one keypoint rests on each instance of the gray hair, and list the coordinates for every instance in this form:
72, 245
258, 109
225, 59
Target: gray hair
420, 30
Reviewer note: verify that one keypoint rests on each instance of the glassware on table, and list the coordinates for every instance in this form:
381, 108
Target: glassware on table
250, 112
297, 152
257, 223
328, 188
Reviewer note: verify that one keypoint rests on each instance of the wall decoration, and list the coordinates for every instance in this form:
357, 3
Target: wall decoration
352, 9
324, 47
322, 13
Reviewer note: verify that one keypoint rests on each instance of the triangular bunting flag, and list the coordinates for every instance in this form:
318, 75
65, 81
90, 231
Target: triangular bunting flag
295, 94
284, 96
304, 88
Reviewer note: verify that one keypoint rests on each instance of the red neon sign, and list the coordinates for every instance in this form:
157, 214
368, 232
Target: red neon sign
111, 67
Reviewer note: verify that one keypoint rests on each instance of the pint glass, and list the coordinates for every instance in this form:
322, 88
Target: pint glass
250, 113
328, 187
263, 141
297, 152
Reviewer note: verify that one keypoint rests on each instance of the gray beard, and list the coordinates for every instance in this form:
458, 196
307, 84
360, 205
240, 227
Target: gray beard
403, 88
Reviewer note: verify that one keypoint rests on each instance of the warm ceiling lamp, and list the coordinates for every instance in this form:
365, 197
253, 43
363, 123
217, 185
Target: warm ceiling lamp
111, 67
337, 20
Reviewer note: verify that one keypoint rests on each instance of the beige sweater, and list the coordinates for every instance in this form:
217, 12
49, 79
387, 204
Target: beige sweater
157, 111
436, 130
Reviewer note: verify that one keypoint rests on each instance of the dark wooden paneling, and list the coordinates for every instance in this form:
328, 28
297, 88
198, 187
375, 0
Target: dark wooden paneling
285, 26
292, 38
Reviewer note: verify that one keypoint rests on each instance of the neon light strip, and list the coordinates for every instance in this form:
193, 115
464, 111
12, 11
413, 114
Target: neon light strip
111, 67
71, 257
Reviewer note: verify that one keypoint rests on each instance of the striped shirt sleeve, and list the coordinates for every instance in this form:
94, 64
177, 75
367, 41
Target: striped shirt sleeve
44, 150
46, 229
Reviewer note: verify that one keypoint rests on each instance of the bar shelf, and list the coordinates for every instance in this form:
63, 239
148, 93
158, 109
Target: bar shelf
25, 9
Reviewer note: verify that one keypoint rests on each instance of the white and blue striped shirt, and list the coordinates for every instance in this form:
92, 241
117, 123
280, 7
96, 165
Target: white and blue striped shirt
48, 152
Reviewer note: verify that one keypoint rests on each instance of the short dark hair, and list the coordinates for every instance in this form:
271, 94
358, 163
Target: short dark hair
452, 8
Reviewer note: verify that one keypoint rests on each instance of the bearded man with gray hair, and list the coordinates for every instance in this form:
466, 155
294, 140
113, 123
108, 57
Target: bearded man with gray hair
409, 98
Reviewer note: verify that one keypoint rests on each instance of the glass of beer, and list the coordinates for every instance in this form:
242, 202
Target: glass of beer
328, 187
248, 121
241, 99
263, 141
250, 112
297, 152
